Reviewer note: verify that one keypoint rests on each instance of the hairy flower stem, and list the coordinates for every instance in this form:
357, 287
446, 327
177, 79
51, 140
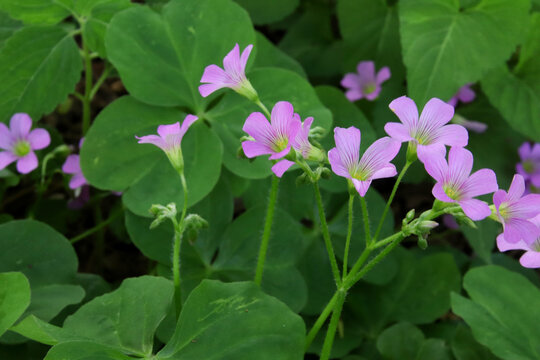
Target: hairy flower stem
334, 321
87, 86
349, 233
326, 236
366, 221
178, 232
390, 199
267, 228
320, 321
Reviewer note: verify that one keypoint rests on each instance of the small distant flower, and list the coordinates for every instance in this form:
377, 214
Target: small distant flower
456, 184
169, 139
72, 165
272, 138
232, 76
366, 83
514, 211
475, 126
429, 133
465, 95
450, 222
374, 164
19, 143
301, 141
531, 258
529, 167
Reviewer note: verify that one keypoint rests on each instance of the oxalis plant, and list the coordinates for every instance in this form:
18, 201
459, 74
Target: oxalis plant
194, 196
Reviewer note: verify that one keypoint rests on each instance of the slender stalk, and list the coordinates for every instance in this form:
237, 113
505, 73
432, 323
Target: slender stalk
263, 108
100, 81
386, 240
266, 232
326, 236
361, 260
334, 321
366, 221
87, 86
184, 208
390, 199
349, 234
96, 228
178, 232
320, 320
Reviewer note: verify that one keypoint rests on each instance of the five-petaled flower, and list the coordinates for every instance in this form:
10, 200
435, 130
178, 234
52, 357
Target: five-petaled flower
365, 83
232, 75
374, 164
429, 133
529, 167
456, 184
19, 143
272, 138
514, 211
169, 139
531, 258
301, 141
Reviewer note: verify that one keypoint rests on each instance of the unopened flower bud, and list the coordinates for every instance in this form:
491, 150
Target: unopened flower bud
161, 213
317, 133
302, 180
422, 242
410, 215
326, 173
193, 223
426, 226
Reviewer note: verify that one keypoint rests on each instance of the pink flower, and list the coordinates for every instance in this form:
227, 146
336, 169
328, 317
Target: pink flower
429, 132
169, 139
465, 95
72, 165
301, 141
272, 138
374, 164
232, 76
456, 184
19, 143
531, 258
365, 84
514, 211
529, 167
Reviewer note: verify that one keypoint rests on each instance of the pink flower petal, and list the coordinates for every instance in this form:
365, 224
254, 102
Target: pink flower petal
374, 94
519, 229
504, 245
383, 75
281, 166
366, 71
466, 94
258, 127
166, 130
27, 163
517, 188
77, 181
350, 80
361, 186
483, 181
406, 111
186, 124
39, 139
353, 95
254, 148
436, 167
231, 62
452, 135
281, 117
435, 114
439, 194
379, 154
425, 151
154, 140
337, 165
524, 151
244, 57
531, 259
72, 165
475, 209
385, 172
207, 89
460, 163
20, 125
6, 158
281, 154
5, 137
499, 197
348, 145
397, 131
527, 207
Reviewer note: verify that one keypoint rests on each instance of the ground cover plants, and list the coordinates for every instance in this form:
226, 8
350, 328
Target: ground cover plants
219, 179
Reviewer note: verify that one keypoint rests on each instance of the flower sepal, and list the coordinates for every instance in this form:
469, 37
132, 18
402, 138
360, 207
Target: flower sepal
162, 213
411, 152
193, 223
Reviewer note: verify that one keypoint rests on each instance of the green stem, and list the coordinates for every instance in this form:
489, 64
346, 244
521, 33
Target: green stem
349, 233
390, 199
263, 108
266, 232
184, 208
361, 260
334, 321
320, 321
326, 236
386, 240
100, 81
96, 228
365, 215
178, 232
87, 86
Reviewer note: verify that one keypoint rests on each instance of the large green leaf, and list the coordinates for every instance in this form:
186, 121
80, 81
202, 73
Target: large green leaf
503, 312
35, 11
173, 48
112, 159
7, 27
85, 350
273, 85
47, 259
39, 67
446, 46
126, 318
235, 321
269, 55
265, 12
482, 239
465, 347
14, 298
370, 29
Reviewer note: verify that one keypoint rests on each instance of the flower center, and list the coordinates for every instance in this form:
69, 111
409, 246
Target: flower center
369, 88
536, 245
528, 166
360, 174
21, 148
280, 144
452, 192
504, 211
